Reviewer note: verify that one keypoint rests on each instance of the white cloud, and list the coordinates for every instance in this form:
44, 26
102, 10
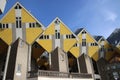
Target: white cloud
111, 16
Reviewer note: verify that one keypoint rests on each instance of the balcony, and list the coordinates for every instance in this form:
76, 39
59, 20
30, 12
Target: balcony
59, 75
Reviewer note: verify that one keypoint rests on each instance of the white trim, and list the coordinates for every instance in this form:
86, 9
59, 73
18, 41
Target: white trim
9, 25
50, 36
64, 36
18, 12
27, 25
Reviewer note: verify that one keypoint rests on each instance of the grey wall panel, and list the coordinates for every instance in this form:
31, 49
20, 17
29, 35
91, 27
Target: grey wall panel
54, 60
12, 61
82, 64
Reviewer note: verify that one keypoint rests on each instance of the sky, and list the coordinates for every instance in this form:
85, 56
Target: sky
98, 17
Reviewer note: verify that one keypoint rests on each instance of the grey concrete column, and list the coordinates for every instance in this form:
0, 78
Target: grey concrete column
20, 70
78, 65
50, 60
67, 63
29, 58
88, 64
6, 63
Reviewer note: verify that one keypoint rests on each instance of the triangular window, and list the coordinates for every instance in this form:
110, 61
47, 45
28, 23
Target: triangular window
18, 6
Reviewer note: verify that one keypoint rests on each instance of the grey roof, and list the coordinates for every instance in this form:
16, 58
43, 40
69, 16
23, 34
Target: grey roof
97, 38
78, 31
114, 38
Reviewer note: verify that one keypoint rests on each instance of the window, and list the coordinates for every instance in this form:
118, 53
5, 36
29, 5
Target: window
31, 25
57, 34
94, 44
84, 32
0, 25
38, 25
69, 36
47, 36
57, 22
102, 49
44, 37
72, 36
75, 45
19, 68
83, 42
4, 26
18, 72
20, 25
18, 22
41, 37
18, 6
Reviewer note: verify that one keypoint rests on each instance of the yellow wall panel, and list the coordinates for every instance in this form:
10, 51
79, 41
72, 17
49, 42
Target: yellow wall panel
89, 38
95, 56
6, 35
80, 38
75, 51
32, 34
46, 44
10, 17
26, 17
92, 50
64, 29
68, 43
50, 30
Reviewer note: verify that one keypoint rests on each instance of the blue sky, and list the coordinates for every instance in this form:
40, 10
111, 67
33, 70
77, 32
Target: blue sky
98, 17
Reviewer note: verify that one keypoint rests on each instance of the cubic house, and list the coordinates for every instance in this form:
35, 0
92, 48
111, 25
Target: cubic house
30, 51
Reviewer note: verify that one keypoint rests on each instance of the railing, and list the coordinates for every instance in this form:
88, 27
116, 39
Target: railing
32, 74
53, 74
58, 74
81, 75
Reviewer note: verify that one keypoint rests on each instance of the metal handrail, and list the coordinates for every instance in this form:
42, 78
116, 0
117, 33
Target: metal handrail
57, 74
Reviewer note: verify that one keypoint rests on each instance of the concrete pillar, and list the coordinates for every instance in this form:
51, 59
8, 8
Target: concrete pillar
78, 65
6, 63
88, 64
50, 60
29, 58
20, 72
59, 61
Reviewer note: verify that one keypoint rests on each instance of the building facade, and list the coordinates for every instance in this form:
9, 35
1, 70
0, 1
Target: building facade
29, 51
